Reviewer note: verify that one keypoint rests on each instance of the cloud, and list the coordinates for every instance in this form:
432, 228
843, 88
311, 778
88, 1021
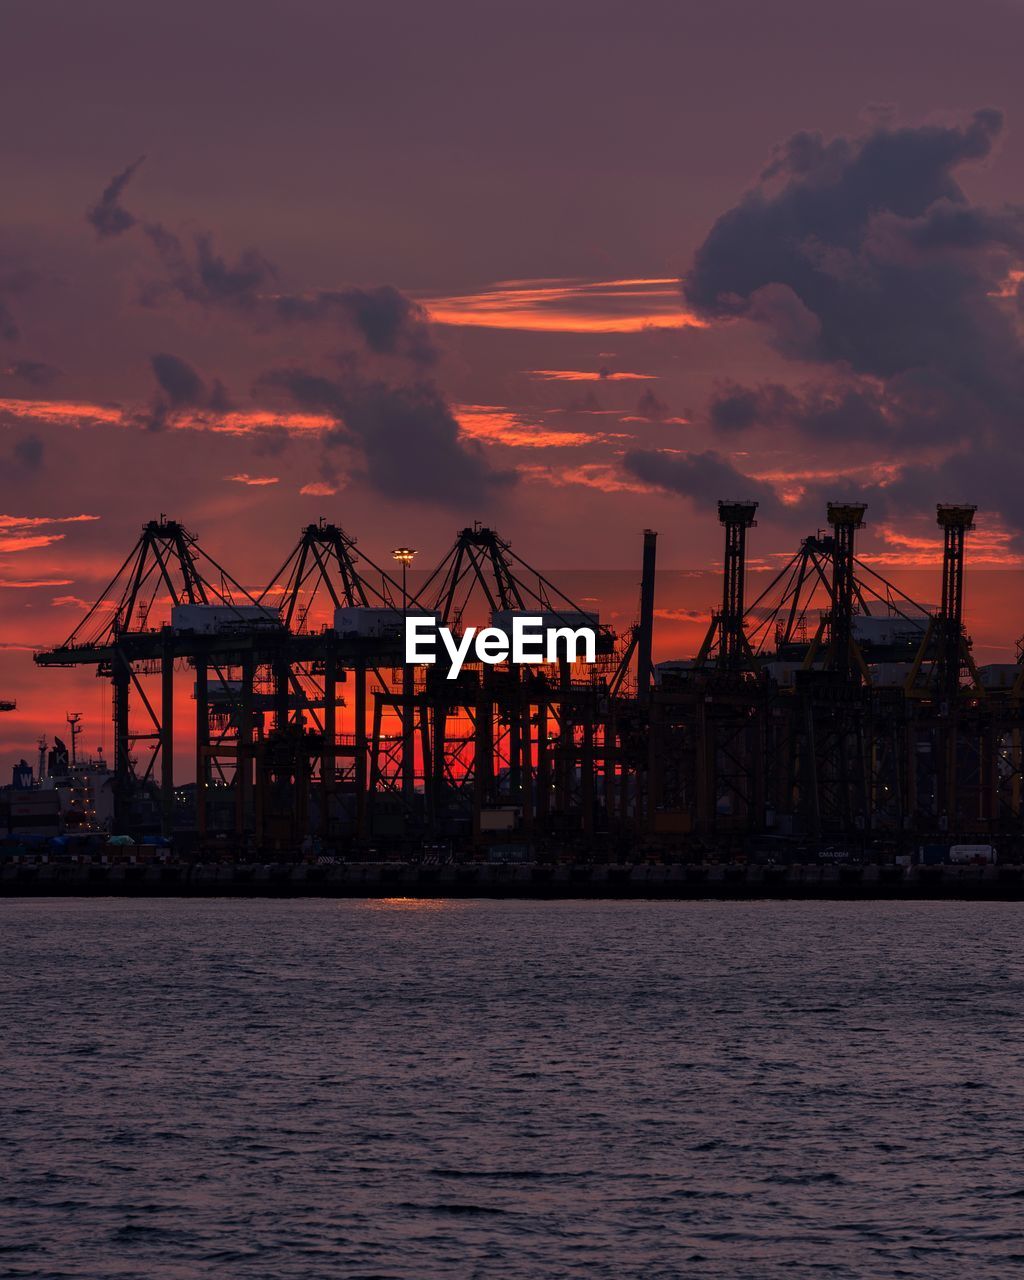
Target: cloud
28, 452
108, 216
568, 306
387, 321
197, 273
28, 542
22, 533
587, 403
602, 476
683, 615
703, 477
864, 256
34, 372
838, 412
652, 408
13, 284
178, 380
35, 522
258, 481
407, 435
318, 489
270, 441
496, 425
589, 375
74, 412
182, 388
866, 252
264, 427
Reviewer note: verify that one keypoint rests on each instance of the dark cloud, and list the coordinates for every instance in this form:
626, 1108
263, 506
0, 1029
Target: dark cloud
28, 452
196, 272
178, 380
270, 442
407, 436
387, 321
181, 387
108, 216
586, 403
867, 252
8, 324
34, 372
704, 477
652, 407
218, 401
823, 412
913, 410
736, 408
13, 284
865, 257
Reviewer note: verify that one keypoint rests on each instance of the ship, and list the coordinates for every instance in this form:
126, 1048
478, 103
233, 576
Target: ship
65, 795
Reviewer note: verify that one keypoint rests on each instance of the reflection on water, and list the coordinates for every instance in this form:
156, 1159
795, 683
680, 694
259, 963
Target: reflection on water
297, 1090
431, 905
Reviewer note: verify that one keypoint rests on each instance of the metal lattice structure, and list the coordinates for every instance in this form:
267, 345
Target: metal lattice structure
832, 708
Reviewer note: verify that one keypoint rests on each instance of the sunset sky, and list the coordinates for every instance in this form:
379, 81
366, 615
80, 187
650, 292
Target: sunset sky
570, 268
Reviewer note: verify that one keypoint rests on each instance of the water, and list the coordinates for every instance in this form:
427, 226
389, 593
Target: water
499, 1089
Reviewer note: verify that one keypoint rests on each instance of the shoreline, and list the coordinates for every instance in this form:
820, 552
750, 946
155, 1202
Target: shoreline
524, 881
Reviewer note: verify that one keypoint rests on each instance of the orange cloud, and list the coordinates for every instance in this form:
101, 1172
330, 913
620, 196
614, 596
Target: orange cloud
18, 542
61, 411
568, 306
318, 490
657, 422
587, 375
33, 522
60, 602
20, 536
1009, 285
591, 475
29, 583
989, 546
496, 425
792, 483
238, 422
684, 615
244, 478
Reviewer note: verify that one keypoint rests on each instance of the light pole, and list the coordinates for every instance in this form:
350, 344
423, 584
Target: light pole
405, 557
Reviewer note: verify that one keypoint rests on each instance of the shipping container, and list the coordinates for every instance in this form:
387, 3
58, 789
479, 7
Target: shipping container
783, 673
890, 675
366, 622
500, 818
549, 619
998, 675
885, 632
503, 854
972, 853
214, 619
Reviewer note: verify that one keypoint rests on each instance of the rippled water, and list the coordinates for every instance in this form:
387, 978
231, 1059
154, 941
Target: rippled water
502, 1089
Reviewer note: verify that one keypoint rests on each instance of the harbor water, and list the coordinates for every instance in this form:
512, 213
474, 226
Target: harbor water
466, 1088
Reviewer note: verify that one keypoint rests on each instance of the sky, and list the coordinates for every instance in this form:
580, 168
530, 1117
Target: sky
571, 269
